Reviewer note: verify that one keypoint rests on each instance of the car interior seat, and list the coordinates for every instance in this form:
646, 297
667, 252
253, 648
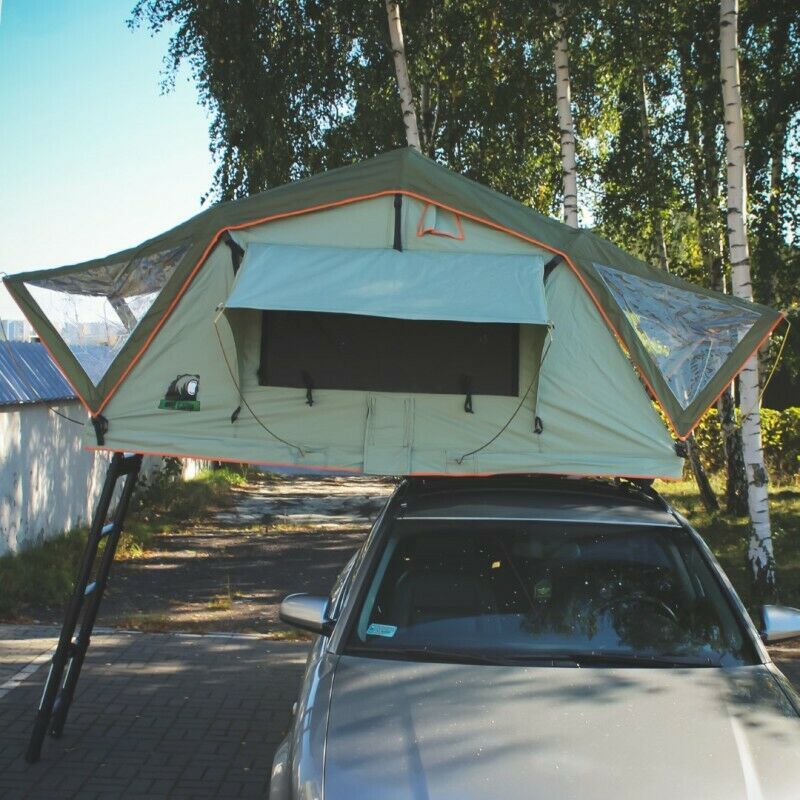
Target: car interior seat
444, 581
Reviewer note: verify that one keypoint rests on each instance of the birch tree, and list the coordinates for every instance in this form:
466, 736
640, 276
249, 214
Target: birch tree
760, 551
566, 123
647, 152
401, 71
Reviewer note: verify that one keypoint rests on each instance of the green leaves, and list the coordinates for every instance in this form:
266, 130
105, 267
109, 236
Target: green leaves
297, 86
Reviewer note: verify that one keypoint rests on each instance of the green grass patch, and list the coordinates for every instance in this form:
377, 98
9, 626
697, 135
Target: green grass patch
43, 575
149, 623
728, 536
164, 495
288, 635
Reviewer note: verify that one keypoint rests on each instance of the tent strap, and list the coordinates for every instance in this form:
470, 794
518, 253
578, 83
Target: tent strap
551, 265
237, 251
100, 424
502, 430
398, 223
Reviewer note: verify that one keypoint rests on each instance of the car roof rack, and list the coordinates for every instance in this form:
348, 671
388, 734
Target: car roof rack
635, 489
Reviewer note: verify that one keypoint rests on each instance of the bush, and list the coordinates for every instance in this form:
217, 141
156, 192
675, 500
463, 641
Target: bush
781, 438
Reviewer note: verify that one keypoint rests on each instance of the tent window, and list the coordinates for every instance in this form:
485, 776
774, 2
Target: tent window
688, 335
96, 309
439, 222
349, 351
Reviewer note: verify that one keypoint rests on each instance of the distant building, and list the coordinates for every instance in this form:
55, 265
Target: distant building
48, 483
15, 329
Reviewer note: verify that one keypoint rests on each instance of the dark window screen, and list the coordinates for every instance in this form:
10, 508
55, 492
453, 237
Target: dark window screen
348, 351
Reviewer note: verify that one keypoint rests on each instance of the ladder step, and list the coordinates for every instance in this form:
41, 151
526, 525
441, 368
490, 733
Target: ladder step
107, 529
130, 463
90, 588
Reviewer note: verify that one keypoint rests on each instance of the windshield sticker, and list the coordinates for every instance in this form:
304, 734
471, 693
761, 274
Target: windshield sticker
381, 630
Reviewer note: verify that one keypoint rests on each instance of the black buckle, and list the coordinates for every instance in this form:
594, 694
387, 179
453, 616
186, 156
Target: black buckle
398, 205
466, 388
307, 380
100, 428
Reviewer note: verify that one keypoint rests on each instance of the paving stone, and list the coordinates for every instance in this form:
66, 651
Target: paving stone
150, 722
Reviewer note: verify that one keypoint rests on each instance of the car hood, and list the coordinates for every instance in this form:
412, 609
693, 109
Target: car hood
401, 730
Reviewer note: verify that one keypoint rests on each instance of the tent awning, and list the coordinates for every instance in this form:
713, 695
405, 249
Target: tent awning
412, 284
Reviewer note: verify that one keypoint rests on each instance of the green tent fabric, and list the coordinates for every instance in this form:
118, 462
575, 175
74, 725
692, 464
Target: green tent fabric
686, 342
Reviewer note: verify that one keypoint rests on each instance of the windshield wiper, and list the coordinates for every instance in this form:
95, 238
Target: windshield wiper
628, 660
431, 654
555, 658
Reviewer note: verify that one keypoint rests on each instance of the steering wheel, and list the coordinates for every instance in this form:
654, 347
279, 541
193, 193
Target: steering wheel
639, 599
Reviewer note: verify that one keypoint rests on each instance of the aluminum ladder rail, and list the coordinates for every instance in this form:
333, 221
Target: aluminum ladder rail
86, 596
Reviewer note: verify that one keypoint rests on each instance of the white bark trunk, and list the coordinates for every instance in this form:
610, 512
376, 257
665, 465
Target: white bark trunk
566, 125
760, 551
401, 71
644, 122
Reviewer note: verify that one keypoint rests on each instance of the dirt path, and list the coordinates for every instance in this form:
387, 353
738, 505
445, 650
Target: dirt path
229, 573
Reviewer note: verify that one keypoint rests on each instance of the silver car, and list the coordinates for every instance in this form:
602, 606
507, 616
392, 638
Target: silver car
537, 639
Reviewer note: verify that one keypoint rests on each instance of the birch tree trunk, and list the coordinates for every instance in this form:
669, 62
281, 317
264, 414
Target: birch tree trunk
760, 552
566, 124
401, 71
700, 132
647, 146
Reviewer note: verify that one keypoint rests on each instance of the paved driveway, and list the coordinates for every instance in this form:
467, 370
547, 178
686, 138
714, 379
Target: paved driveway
155, 715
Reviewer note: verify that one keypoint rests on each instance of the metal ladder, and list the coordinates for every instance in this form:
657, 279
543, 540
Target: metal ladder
86, 596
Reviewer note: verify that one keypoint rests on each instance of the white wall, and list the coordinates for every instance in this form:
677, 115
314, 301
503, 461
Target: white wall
48, 483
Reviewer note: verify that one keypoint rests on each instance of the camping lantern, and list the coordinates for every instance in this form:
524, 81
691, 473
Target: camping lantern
182, 394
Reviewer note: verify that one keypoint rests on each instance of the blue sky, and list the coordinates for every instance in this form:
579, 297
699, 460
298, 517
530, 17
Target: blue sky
93, 157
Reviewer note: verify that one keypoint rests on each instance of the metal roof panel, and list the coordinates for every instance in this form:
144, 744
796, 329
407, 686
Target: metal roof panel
29, 375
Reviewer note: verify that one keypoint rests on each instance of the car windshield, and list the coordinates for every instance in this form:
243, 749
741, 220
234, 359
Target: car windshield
541, 592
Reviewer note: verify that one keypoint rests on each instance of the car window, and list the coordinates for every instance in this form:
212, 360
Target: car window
344, 581
544, 590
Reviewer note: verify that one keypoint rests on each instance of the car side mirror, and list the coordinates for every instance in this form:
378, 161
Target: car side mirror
779, 623
307, 612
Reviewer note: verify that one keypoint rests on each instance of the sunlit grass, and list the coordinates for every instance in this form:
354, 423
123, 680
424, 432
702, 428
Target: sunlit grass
147, 623
288, 635
728, 536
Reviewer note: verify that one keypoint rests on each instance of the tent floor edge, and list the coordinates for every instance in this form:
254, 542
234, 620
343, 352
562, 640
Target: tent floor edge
86, 597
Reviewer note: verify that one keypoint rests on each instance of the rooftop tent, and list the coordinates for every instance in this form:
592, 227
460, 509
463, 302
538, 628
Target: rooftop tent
392, 317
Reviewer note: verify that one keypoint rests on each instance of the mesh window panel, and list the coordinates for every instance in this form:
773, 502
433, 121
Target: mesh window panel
688, 335
95, 310
348, 351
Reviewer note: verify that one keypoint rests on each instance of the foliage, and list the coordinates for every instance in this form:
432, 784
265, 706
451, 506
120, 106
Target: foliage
43, 574
780, 435
728, 536
295, 87
164, 492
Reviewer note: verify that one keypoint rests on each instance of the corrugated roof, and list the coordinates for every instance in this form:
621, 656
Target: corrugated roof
29, 375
